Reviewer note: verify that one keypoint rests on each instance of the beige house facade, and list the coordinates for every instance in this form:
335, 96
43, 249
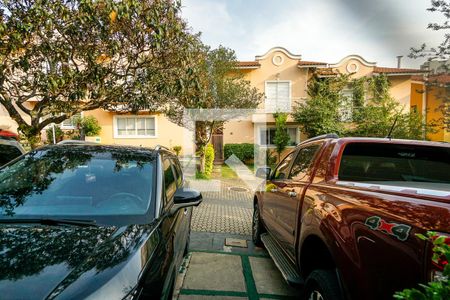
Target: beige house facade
283, 78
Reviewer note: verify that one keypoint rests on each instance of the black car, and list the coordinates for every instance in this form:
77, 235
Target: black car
9, 149
93, 221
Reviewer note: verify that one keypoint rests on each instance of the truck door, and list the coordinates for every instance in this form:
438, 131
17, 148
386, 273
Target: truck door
273, 194
290, 195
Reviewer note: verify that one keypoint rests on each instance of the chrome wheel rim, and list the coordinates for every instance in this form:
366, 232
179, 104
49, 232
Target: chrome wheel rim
315, 295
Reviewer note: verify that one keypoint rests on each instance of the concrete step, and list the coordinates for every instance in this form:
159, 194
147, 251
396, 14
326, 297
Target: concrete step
284, 264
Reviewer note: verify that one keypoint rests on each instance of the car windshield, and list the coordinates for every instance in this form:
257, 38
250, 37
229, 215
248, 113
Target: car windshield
78, 182
397, 164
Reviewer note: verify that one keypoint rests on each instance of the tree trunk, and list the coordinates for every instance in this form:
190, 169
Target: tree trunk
201, 140
201, 165
33, 136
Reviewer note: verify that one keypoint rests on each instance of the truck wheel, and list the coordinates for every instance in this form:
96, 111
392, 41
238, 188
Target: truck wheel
322, 285
257, 227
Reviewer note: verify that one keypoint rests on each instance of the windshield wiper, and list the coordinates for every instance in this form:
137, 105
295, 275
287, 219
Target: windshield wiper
50, 221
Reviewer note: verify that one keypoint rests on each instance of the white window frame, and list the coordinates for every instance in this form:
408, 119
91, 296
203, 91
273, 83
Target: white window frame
135, 136
297, 135
69, 127
290, 94
347, 91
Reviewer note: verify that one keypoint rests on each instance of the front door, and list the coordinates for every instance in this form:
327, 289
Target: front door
217, 142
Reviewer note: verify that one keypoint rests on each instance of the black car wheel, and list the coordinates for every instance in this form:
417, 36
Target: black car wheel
257, 227
322, 285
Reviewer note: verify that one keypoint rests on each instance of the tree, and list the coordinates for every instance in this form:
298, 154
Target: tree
440, 52
376, 116
69, 56
374, 110
87, 126
212, 82
320, 113
281, 138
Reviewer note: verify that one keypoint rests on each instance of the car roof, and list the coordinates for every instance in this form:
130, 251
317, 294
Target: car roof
394, 141
345, 140
121, 148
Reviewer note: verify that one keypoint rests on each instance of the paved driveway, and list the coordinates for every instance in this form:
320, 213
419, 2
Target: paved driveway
229, 209
223, 262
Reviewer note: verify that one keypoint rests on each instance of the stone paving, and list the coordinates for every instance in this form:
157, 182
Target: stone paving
213, 270
224, 210
216, 270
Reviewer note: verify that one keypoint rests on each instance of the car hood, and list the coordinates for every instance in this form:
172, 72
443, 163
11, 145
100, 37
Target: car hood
46, 262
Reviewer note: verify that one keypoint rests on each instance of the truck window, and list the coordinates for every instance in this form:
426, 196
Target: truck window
425, 166
282, 170
303, 161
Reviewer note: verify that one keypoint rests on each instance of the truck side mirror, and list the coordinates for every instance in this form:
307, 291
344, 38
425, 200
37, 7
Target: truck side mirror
263, 172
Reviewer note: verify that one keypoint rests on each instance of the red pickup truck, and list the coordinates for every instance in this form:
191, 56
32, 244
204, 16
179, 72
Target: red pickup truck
339, 216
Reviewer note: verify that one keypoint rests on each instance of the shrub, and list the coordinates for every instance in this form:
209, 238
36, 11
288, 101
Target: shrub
200, 176
281, 139
266, 156
58, 133
209, 159
439, 289
244, 151
177, 149
89, 125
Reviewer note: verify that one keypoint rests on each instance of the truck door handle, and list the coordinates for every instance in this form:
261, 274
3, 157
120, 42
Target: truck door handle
274, 190
292, 194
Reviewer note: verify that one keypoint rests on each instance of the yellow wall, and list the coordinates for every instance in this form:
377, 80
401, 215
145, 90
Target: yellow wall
168, 134
401, 90
417, 95
346, 64
238, 131
434, 101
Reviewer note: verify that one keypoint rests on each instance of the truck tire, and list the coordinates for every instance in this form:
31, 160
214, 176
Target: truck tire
322, 285
257, 227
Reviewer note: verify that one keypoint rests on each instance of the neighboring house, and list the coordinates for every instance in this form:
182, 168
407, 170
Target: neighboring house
430, 96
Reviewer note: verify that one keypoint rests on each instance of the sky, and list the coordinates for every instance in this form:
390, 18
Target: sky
319, 30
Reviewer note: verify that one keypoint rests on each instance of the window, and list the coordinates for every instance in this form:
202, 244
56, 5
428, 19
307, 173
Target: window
70, 123
278, 96
78, 183
346, 108
267, 136
169, 180
281, 172
396, 164
178, 172
136, 126
302, 163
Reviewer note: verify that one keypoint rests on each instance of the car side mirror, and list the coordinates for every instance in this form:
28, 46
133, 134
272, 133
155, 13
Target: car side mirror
185, 197
263, 172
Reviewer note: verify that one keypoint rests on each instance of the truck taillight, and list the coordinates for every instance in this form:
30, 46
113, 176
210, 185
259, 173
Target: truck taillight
438, 262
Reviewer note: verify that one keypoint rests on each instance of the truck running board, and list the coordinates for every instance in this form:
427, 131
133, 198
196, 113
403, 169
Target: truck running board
286, 267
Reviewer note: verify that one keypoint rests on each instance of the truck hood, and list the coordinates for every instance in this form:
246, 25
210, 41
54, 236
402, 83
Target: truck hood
41, 262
